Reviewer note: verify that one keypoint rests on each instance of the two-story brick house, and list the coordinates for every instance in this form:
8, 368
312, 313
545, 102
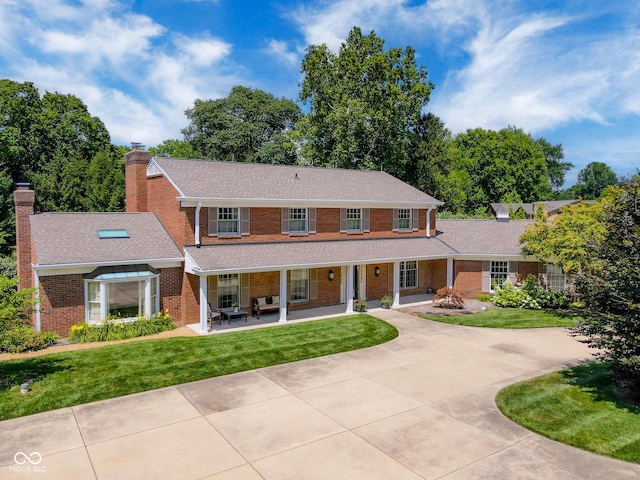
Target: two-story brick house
199, 233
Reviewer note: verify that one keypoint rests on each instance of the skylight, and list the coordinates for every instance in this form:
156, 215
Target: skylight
113, 233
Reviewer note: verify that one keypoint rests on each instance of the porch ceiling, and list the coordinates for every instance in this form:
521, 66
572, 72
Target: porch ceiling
275, 256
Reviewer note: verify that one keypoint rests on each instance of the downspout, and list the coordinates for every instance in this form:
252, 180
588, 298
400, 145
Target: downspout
429, 210
197, 232
36, 285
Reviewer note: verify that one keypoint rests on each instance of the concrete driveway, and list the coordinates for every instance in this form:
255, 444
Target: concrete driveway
419, 407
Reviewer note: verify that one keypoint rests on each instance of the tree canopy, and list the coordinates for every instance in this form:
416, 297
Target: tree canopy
363, 103
247, 126
611, 292
592, 180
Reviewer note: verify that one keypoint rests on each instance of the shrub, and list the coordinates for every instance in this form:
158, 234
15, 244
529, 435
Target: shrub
22, 338
484, 297
386, 301
116, 329
510, 296
447, 297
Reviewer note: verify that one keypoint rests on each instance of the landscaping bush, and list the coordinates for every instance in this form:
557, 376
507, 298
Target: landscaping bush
530, 295
360, 306
510, 296
484, 297
447, 297
22, 338
117, 329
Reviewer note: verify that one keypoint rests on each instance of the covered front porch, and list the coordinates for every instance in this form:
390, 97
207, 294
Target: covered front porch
306, 315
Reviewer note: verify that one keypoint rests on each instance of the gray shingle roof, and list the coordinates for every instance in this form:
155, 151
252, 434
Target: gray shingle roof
72, 238
233, 180
482, 237
273, 256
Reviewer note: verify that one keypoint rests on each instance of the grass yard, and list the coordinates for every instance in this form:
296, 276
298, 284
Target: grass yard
508, 318
578, 407
76, 377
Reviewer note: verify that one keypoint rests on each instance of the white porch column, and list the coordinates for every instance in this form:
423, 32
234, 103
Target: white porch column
396, 284
429, 210
349, 289
203, 305
450, 272
36, 285
283, 296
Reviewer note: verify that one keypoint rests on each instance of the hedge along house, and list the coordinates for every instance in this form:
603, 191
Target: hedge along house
199, 233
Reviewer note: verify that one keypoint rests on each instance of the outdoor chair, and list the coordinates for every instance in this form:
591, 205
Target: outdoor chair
213, 315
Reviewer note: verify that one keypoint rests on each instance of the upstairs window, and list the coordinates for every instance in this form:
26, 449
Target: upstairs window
404, 219
228, 221
298, 220
354, 219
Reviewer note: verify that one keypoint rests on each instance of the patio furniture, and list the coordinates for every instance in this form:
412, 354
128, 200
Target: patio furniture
265, 305
213, 315
231, 313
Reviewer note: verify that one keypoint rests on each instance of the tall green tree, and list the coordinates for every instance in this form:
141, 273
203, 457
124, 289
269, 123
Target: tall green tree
430, 156
175, 148
242, 127
500, 164
556, 166
570, 240
592, 180
612, 292
362, 104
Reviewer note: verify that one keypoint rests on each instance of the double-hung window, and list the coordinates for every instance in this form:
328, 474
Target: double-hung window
408, 274
404, 219
228, 221
499, 272
228, 290
298, 222
556, 279
299, 285
354, 219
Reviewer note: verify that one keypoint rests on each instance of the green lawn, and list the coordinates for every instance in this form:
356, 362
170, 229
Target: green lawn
576, 406
76, 377
508, 318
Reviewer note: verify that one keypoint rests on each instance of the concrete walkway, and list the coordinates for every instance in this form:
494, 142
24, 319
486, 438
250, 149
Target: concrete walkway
419, 407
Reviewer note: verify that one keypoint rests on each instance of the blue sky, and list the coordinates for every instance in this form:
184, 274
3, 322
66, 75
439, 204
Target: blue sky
568, 71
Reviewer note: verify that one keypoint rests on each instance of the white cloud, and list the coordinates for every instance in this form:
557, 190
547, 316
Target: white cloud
280, 50
99, 49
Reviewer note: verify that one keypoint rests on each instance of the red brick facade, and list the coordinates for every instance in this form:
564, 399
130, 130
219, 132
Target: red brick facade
24, 200
467, 275
61, 302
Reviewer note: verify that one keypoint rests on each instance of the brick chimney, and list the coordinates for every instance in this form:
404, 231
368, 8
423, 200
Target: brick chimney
24, 199
135, 170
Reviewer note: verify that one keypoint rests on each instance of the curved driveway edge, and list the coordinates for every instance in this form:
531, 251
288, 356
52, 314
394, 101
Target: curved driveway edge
419, 407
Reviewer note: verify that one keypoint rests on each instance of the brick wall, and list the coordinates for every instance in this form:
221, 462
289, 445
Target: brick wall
171, 291
435, 273
266, 225
135, 167
61, 302
190, 299
24, 200
377, 287
467, 277
528, 268
162, 201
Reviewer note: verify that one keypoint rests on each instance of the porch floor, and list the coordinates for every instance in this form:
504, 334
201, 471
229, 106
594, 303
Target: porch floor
271, 319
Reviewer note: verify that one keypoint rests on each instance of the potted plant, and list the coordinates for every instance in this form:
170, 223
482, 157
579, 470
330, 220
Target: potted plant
360, 306
386, 301
235, 306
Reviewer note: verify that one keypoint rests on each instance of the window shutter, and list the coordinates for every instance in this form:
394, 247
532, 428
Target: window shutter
415, 217
212, 291
213, 221
486, 277
284, 229
395, 220
312, 220
366, 220
390, 277
513, 272
343, 220
244, 221
313, 284
245, 290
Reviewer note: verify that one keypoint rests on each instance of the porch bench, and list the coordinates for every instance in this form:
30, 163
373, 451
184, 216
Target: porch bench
265, 305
